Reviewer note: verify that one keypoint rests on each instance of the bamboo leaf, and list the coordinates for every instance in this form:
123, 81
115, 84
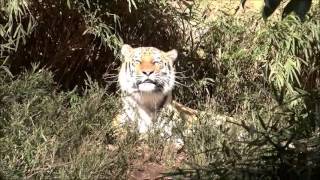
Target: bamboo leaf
6, 69
68, 4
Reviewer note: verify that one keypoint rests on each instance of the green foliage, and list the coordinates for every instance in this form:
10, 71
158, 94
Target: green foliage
299, 52
270, 145
227, 42
266, 76
16, 24
45, 133
273, 55
86, 35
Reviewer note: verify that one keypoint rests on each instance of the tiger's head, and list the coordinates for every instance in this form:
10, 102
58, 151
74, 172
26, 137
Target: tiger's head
147, 69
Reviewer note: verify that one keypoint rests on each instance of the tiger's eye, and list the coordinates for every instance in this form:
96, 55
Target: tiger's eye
137, 61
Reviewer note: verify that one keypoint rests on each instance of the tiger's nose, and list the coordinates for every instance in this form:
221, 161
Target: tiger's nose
148, 73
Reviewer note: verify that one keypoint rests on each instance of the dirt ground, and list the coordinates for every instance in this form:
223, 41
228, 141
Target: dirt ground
153, 164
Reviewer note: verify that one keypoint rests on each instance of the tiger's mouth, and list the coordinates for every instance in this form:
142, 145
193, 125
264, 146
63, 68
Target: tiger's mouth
148, 85
149, 81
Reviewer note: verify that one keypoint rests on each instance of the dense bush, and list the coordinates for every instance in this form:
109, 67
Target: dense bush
46, 133
75, 37
266, 75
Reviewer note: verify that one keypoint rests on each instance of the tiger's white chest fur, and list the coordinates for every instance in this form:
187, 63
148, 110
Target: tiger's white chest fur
144, 108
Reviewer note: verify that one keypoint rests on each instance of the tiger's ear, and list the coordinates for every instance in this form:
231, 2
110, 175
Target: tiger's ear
173, 54
126, 50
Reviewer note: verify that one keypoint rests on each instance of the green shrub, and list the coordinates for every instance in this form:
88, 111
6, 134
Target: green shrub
266, 76
46, 133
75, 37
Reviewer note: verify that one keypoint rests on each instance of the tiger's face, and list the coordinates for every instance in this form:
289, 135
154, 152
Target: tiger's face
147, 69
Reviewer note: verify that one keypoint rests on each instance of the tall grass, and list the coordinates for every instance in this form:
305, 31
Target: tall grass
46, 133
265, 76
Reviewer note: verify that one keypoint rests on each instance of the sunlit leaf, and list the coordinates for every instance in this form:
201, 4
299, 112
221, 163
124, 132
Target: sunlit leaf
6, 69
68, 4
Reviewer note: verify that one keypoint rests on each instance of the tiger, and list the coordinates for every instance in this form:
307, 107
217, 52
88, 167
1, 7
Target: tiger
146, 79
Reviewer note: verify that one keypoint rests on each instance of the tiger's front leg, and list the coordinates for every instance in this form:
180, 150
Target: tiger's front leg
135, 115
